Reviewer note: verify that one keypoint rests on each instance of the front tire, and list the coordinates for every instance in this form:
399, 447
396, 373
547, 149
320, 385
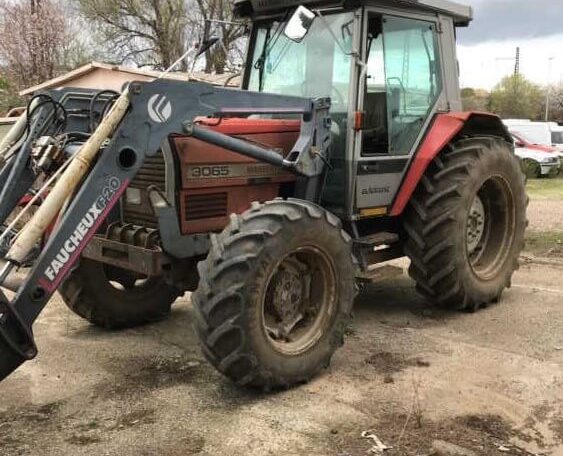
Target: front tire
275, 294
114, 298
464, 226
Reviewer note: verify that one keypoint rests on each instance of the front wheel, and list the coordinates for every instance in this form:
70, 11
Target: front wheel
275, 294
112, 297
464, 226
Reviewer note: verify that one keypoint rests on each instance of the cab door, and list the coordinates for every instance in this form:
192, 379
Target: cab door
398, 95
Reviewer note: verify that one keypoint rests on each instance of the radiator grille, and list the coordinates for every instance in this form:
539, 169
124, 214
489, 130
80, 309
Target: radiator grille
205, 206
153, 172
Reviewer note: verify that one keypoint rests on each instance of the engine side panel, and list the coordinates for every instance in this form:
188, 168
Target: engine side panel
216, 182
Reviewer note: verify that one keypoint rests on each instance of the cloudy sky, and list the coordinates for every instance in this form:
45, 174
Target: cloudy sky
487, 48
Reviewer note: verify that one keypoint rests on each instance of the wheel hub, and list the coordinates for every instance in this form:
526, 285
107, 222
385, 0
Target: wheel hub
288, 297
475, 224
299, 300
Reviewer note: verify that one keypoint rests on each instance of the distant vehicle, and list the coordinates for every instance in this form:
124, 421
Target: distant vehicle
545, 133
557, 137
537, 160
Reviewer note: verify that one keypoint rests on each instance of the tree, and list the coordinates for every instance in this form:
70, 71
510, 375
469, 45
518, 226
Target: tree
32, 37
474, 99
9, 97
156, 33
517, 97
37, 42
214, 17
555, 102
148, 32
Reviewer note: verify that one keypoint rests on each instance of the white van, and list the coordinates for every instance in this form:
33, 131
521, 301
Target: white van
557, 137
544, 133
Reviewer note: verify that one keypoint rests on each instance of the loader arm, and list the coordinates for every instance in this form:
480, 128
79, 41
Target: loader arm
156, 110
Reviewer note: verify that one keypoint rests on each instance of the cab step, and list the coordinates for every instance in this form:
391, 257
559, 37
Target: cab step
377, 248
379, 273
377, 239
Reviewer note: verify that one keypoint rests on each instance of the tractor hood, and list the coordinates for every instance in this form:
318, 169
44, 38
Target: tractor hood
461, 14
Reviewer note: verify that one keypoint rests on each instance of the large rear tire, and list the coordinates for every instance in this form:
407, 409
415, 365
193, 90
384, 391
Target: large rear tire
114, 298
275, 294
465, 224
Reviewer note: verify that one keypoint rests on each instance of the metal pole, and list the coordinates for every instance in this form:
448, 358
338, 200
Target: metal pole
547, 89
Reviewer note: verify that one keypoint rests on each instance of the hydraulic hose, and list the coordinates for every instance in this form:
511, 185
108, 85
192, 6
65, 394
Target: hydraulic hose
68, 182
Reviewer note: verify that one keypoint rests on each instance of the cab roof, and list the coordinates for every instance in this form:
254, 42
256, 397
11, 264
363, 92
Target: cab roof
462, 14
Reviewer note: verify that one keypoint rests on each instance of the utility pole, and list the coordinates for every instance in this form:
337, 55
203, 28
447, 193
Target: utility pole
548, 88
516, 61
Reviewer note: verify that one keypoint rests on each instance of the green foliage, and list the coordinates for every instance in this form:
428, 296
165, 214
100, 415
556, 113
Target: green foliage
9, 97
517, 97
467, 92
475, 99
545, 189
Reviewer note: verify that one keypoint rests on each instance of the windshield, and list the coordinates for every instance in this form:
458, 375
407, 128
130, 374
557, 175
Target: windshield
315, 67
557, 137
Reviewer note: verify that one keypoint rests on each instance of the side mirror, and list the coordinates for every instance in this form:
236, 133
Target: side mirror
299, 24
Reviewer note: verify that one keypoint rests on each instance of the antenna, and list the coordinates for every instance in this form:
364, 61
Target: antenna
517, 63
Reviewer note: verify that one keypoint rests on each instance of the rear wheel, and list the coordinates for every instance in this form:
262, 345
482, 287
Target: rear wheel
465, 224
112, 297
275, 294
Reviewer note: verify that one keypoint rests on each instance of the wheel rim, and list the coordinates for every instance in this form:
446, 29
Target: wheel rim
490, 228
475, 224
299, 300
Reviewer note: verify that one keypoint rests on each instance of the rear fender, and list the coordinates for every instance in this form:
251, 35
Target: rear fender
444, 129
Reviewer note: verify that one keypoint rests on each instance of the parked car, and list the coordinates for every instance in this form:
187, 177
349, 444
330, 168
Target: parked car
544, 133
537, 160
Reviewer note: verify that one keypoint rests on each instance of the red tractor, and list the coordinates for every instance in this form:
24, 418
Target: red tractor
344, 148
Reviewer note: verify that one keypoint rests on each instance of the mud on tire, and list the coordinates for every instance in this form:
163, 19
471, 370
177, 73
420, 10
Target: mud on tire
249, 272
114, 298
464, 226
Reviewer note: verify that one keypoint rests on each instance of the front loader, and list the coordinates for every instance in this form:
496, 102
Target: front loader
345, 148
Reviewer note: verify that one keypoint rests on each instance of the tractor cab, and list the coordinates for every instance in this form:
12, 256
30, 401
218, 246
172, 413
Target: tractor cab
387, 70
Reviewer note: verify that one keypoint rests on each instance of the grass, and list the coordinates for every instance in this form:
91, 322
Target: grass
546, 188
545, 243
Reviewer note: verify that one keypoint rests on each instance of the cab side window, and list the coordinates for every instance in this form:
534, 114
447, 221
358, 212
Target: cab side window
412, 71
402, 83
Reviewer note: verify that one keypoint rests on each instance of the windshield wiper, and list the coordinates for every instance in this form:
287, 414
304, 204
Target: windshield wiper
269, 42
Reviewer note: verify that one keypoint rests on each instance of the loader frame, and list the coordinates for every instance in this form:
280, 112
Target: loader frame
157, 110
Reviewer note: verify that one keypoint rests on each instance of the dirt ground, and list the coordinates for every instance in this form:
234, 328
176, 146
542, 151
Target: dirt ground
491, 382
408, 373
